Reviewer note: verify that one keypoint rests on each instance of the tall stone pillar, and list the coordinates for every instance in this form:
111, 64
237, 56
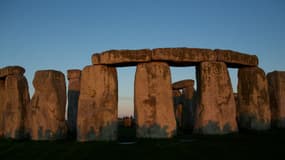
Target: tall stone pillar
2, 100
98, 104
14, 99
253, 99
216, 110
187, 99
46, 112
189, 108
276, 81
73, 77
178, 107
153, 101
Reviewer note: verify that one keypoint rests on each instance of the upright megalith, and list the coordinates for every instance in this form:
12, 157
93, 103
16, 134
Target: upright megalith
2, 100
153, 101
188, 102
98, 104
253, 100
73, 77
276, 81
216, 109
178, 107
45, 118
14, 97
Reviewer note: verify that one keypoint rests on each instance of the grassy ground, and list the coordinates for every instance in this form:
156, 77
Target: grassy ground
262, 145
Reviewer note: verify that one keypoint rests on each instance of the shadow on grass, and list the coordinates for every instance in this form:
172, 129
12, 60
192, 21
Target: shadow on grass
245, 145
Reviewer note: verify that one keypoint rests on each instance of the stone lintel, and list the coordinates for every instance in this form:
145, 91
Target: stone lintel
183, 56
183, 84
236, 59
11, 70
122, 57
174, 57
73, 74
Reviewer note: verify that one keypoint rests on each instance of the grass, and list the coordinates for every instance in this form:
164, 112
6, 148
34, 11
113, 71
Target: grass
250, 145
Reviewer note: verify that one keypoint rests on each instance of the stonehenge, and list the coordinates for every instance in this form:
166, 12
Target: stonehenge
45, 118
276, 82
253, 99
153, 101
161, 106
73, 93
184, 103
14, 98
98, 104
216, 109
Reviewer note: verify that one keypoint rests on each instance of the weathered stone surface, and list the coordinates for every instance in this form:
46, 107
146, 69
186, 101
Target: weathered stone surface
276, 81
74, 77
2, 101
253, 100
98, 104
11, 70
46, 112
14, 99
122, 57
183, 84
183, 56
187, 101
178, 101
216, 109
153, 101
236, 59
174, 57
189, 107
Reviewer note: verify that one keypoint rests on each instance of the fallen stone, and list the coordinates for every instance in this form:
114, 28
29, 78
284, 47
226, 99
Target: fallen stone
236, 59
253, 100
276, 81
122, 57
74, 77
153, 101
45, 118
216, 109
98, 104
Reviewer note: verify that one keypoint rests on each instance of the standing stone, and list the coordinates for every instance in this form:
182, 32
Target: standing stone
188, 102
2, 98
276, 81
189, 108
46, 113
153, 101
73, 77
178, 101
98, 104
253, 100
14, 96
216, 110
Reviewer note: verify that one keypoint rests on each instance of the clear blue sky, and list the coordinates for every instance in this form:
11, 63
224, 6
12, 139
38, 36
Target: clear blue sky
63, 34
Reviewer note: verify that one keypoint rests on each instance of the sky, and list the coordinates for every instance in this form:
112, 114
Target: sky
63, 34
